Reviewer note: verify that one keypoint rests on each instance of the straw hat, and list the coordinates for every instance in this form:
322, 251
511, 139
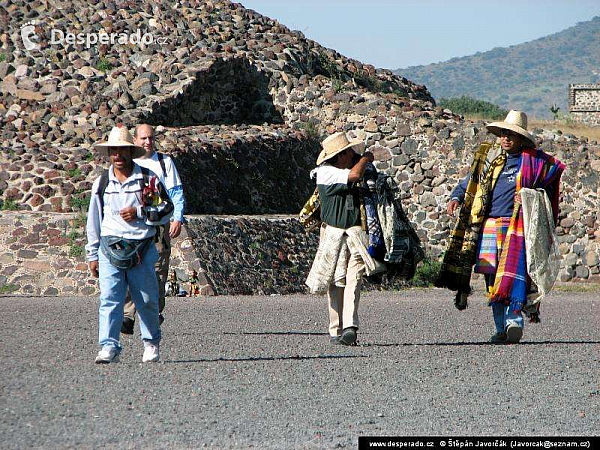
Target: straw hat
515, 121
119, 137
334, 144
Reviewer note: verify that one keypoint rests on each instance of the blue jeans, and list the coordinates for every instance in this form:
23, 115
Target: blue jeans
503, 317
142, 284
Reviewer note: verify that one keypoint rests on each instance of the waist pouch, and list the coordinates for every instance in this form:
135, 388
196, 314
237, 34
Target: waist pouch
124, 253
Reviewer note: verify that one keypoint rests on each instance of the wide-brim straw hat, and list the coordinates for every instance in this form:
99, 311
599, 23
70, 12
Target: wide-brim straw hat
515, 121
119, 137
336, 143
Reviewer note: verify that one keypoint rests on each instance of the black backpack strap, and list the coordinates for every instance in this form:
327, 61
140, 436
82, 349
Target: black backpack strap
101, 188
161, 160
145, 178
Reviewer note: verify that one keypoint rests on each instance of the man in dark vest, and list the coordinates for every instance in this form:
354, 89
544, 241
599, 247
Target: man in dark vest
342, 257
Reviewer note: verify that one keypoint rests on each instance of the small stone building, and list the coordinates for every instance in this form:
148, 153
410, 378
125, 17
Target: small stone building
584, 103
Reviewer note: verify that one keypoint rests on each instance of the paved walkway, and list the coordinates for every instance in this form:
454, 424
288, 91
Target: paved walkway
259, 372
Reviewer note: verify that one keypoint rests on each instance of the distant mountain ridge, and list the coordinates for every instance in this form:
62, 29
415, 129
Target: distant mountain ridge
531, 76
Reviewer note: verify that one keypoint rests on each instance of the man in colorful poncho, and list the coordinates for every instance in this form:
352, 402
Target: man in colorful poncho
489, 230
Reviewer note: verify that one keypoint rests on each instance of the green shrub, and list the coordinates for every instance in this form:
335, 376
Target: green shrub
74, 172
79, 202
337, 85
80, 220
426, 273
330, 68
468, 106
73, 236
9, 205
2, 57
76, 234
310, 128
104, 65
76, 250
8, 288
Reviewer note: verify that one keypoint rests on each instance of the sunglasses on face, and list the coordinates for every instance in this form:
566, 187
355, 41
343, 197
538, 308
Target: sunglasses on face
509, 134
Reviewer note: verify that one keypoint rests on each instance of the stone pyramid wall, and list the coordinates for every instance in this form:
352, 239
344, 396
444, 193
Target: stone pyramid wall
241, 103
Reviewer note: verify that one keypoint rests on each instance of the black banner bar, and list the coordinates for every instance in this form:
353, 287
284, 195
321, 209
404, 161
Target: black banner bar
461, 442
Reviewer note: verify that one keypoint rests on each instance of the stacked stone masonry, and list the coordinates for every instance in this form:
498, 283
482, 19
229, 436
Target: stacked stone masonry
240, 102
584, 103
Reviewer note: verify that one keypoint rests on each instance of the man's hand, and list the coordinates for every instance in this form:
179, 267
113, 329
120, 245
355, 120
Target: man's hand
452, 206
128, 214
174, 229
356, 157
93, 268
358, 169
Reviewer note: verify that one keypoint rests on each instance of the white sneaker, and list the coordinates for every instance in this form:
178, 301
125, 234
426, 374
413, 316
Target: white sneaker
107, 355
151, 353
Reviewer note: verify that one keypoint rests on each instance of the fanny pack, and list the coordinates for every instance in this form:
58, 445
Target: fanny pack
124, 253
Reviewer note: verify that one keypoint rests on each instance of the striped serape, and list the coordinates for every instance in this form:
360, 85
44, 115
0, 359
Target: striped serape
490, 245
538, 170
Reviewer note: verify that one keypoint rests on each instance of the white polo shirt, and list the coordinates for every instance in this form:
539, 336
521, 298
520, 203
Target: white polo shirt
110, 223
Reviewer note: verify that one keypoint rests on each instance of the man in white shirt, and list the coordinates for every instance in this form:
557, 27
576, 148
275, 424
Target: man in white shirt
164, 167
126, 205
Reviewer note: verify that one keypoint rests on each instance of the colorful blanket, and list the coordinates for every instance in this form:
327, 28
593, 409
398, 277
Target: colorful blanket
457, 265
538, 171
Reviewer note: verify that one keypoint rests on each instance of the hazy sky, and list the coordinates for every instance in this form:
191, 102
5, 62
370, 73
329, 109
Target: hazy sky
396, 34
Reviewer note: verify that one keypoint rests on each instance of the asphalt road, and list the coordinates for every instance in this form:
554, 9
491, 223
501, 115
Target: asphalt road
259, 372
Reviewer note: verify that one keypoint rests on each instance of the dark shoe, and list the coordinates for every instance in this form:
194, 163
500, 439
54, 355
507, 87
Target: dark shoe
161, 319
498, 338
127, 326
460, 301
334, 339
514, 333
348, 336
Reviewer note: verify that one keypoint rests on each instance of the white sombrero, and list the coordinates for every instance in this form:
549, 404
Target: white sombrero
119, 137
336, 143
515, 121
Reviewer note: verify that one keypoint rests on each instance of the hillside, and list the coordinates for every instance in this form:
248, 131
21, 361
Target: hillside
531, 76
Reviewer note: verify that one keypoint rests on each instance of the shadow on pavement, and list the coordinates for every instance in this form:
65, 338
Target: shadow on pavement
264, 358
435, 344
307, 333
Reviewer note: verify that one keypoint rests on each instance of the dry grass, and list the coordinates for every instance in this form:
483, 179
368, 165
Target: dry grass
565, 126
577, 129
576, 287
